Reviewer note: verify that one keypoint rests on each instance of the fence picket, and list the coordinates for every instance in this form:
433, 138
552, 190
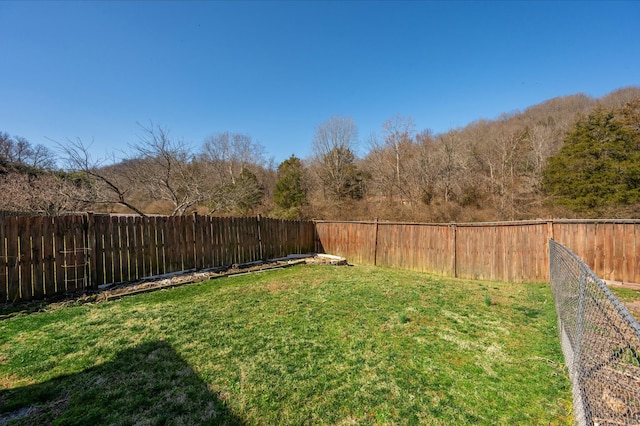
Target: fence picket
48, 256
119, 247
4, 264
36, 258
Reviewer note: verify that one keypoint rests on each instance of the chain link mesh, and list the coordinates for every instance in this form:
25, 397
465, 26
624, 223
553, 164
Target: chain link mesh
600, 340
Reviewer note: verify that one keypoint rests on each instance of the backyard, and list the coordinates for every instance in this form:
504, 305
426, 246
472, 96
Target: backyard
309, 344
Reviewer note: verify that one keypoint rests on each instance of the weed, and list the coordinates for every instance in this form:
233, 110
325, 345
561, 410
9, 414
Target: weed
487, 299
403, 318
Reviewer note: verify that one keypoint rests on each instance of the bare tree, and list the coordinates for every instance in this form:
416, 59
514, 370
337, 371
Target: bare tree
334, 159
110, 185
235, 170
337, 132
19, 151
231, 153
424, 167
449, 164
544, 141
167, 169
379, 163
45, 193
398, 137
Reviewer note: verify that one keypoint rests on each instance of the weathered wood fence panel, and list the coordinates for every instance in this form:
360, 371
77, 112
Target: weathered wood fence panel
44, 256
508, 252
610, 248
353, 240
505, 251
415, 246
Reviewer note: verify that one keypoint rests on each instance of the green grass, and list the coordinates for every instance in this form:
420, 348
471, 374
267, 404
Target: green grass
625, 294
304, 345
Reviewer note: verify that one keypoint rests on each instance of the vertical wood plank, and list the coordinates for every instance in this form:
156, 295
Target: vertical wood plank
98, 249
125, 261
12, 253
58, 247
609, 262
174, 244
82, 252
118, 248
138, 245
193, 258
215, 241
618, 252
132, 248
48, 256
225, 230
588, 244
628, 257
161, 244
148, 249
91, 248
25, 264
209, 241
68, 253
72, 256
184, 243
636, 258
108, 249
4, 262
198, 240
37, 256
599, 248
4, 284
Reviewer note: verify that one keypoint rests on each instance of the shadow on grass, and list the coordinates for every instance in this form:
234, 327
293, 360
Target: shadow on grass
149, 384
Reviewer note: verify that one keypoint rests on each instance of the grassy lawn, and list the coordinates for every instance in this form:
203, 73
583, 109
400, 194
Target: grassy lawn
630, 298
305, 345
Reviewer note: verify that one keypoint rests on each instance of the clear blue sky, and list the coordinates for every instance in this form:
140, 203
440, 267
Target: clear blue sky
276, 70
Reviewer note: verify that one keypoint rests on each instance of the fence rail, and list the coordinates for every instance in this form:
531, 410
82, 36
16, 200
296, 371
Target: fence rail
600, 340
44, 256
503, 251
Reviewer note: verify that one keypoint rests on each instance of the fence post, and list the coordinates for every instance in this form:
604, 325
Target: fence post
260, 248
375, 245
577, 352
454, 249
195, 241
550, 237
90, 240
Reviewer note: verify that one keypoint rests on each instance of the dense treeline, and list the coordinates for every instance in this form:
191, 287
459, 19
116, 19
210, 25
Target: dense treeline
572, 156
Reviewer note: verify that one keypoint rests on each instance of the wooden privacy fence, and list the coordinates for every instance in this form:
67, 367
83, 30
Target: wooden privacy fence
44, 256
503, 251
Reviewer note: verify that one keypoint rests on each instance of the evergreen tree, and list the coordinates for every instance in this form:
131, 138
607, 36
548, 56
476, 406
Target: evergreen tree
598, 166
290, 191
249, 191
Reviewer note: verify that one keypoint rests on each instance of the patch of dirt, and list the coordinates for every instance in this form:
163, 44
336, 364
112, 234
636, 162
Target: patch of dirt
114, 291
634, 308
175, 280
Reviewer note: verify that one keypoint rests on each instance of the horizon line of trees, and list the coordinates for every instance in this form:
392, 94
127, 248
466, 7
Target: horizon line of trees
573, 156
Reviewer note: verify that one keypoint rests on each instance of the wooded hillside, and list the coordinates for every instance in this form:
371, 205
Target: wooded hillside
521, 165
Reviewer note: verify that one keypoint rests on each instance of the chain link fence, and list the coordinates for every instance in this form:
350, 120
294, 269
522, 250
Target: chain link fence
600, 340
